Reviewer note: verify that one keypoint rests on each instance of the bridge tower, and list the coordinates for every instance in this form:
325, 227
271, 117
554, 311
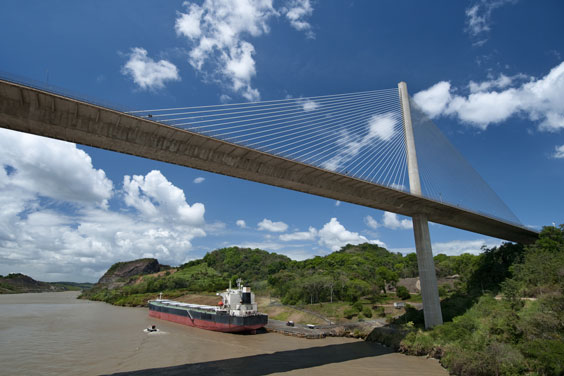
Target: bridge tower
425, 262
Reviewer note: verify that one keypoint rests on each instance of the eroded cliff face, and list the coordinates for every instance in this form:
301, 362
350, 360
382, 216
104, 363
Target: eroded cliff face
119, 273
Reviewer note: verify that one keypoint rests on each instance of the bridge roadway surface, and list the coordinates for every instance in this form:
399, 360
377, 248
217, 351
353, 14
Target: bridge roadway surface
39, 112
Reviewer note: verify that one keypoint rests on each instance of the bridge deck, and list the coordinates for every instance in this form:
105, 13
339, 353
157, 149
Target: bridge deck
46, 114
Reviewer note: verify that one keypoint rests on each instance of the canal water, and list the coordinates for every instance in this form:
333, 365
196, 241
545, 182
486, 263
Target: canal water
57, 334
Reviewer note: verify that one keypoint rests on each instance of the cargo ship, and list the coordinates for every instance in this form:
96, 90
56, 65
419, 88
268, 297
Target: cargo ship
237, 311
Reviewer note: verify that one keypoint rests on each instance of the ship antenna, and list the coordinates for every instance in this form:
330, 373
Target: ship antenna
239, 283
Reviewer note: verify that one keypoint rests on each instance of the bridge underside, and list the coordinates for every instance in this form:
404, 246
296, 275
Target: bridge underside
38, 112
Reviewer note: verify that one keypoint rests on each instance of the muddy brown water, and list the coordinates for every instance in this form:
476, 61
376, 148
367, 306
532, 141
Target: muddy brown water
57, 334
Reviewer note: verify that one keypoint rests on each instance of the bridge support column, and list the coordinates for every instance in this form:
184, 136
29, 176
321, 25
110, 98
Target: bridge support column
425, 262
427, 276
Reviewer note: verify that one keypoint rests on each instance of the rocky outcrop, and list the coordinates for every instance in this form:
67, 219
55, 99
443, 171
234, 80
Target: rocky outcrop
412, 284
120, 272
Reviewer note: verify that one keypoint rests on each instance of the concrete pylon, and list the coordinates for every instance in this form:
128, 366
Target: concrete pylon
425, 262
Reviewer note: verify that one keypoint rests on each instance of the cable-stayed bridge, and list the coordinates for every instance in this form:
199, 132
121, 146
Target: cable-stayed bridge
370, 148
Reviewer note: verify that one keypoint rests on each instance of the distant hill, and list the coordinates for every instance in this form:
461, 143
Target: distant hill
73, 286
17, 283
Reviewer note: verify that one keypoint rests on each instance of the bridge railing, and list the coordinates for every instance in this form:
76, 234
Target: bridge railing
54, 89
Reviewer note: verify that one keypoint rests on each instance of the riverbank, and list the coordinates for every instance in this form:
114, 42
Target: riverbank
351, 330
57, 334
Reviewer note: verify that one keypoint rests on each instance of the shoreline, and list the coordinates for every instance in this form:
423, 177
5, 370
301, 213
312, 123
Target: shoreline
57, 334
359, 330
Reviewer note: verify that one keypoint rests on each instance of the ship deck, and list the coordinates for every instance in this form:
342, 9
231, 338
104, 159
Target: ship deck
181, 305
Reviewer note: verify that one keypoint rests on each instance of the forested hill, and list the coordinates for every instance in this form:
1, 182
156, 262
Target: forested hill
347, 274
354, 271
351, 261
249, 264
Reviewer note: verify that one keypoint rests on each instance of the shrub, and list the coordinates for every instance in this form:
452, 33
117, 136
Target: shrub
496, 359
417, 343
357, 306
443, 290
403, 293
349, 313
545, 356
367, 312
380, 312
293, 296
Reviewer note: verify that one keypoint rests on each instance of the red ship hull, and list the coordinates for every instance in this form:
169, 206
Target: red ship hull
203, 324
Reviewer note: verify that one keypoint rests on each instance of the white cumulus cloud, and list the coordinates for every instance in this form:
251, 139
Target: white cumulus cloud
189, 24
268, 225
56, 222
538, 99
148, 73
303, 235
156, 197
241, 223
435, 99
310, 105
199, 180
334, 236
371, 222
380, 128
559, 152
219, 33
390, 221
56, 169
296, 12
216, 31
458, 247
501, 82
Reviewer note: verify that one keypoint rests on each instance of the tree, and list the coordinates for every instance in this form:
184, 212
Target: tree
385, 276
357, 288
410, 268
315, 285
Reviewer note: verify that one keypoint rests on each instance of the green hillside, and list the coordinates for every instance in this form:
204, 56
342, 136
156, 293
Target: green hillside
508, 319
345, 275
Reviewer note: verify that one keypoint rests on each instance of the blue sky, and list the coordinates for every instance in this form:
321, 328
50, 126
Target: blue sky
489, 73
